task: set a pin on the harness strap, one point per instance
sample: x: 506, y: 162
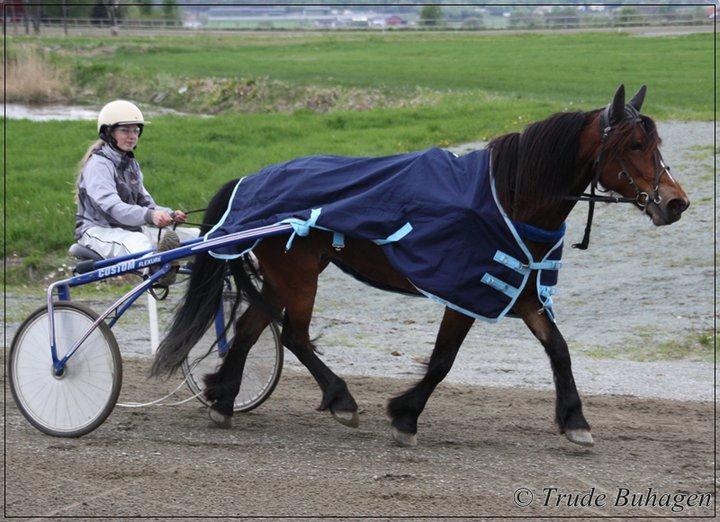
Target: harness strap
x: 583, y: 245
x: 602, y: 199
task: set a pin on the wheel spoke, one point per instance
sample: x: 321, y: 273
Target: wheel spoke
x: 56, y: 411
x: 44, y: 414
x: 90, y: 397
x: 39, y: 340
x: 28, y: 371
x: 37, y: 393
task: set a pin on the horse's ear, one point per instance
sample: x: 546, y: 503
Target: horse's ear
x: 617, y: 108
x: 638, y: 99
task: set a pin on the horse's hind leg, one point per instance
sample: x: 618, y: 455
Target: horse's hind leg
x: 293, y: 277
x: 405, y: 409
x: 222, y: 387
x: 568, y: 407
x: 335, y: 394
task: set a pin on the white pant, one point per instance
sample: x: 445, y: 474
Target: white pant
x: 115, y: 242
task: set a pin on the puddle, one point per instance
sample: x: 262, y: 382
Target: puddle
x: 18, y: 111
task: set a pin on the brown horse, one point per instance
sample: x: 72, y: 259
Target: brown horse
x: 540, y: 174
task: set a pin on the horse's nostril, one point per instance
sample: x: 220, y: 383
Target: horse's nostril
x: 678, y: 205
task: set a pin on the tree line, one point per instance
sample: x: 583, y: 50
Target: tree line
x: 102, y: 12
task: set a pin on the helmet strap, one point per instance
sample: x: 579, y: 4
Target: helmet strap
x: 105, y: 134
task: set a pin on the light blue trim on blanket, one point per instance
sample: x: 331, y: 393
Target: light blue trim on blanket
x: 544, y: 292
x: 455, y: 307
x: 519, y: 241
x: 221, y: 222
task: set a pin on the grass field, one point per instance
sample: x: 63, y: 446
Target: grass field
x: 479, y: 86
x: 581, y: 68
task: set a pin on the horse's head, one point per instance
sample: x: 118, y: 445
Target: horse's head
x: 629, y: 162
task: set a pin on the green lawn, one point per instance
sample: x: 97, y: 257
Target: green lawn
x: 486, y: 85
x: 581, y: 69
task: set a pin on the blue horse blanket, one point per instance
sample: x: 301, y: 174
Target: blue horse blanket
x: 435, y: 215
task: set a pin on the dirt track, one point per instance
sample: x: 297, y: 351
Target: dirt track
x: 477, y: 447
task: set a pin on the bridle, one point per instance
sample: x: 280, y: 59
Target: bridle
x: 642, y: 198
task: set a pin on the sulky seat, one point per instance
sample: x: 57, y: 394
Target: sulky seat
x: 83, y: 253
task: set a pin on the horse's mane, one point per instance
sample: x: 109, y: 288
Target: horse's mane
x: 538, y: 167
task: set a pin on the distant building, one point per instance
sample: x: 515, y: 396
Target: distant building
x: 236, y: 12
x: 318, y: 11
x: 329, y: 23
x: 394, y: 21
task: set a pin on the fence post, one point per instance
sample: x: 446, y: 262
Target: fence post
x: 64, y: 15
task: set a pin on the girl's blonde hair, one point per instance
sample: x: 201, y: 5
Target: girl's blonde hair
x: 92, y: 148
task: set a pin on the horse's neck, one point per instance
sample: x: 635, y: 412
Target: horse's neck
x: 552, y: 217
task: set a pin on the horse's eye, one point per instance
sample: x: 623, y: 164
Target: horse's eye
x: 636, y: 145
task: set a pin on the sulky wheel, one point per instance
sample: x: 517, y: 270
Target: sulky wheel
x: 262, y: 368
x: 79, y: 400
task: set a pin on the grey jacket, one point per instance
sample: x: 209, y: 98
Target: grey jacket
x: 111, y: 193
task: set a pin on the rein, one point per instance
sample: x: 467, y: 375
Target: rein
x: 196, y: 224
x: 175, y: 223
x: 641, y: 198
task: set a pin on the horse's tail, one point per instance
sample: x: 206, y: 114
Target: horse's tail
x: 201, y: 301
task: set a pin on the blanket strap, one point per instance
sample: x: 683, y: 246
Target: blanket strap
x: 395, y: 236
x: 501, y: 286
x: 523, y: 268
x: 545, y: 294
x: 300, y: 227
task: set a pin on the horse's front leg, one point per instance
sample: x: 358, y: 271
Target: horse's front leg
x: 405, y: 409
x: 568, y: 407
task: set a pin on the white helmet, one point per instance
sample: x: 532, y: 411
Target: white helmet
x: 119, y: 112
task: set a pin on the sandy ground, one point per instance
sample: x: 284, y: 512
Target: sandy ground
x: 487, y: 431
x: 478, y: 447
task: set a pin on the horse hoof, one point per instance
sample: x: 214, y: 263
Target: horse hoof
x: 404, y: 439
x: 220, y: 420
x: 581, y: 437
x: 351, y: 419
